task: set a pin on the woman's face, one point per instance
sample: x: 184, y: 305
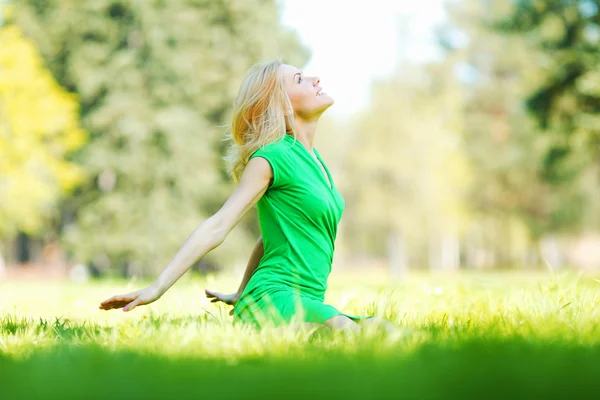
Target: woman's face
x: 304, y: 92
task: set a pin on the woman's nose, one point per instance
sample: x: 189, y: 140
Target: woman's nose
x: 317, y: 80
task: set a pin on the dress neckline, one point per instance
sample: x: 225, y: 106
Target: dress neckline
x: 314, y: 161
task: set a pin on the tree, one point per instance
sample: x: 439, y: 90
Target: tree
x: 447, y: 157
x: 156, y: 80
x: 567, y: 103
x: 513, y: 202
x: 39, y: 129
x: 408, y: 174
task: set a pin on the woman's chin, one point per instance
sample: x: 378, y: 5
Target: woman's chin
x: 327, y: 100
x: 323, y: 104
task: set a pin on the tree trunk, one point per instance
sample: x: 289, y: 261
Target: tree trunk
x: 397, y: 255
x: 450, y: 254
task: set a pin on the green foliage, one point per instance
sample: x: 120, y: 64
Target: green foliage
x: 567, y: 101
x: 513, y: 194
x: 39, y: 130
x: 447, y: 150
x: 407, y: 164
x: 156, y: 80
x: 502, y: 143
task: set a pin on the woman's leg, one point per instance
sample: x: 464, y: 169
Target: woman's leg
x: 343, y: 323
x: 379, y: 323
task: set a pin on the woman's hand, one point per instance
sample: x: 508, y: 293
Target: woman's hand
x: 132, y: 300
x: 230, y: 299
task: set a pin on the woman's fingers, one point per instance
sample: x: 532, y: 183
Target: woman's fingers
x: 111, y: 300
x: 132, y: 305
x: 228, y: 299
x: 108, y: 304
x: 122, y: 297
x: 131, y: 300
x: 216, y: 296
x: 210, y: 293
x: 111, y: 304
x: 117, y: 301
x: 116, y: 304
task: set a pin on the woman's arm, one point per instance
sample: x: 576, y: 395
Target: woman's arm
x: 255, y: 257
x: 207, y: 236
x: 232, y: 298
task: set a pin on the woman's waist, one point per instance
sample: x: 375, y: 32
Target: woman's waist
x: 298, y: 249
x: 265, y: 281
x: 306, y: 257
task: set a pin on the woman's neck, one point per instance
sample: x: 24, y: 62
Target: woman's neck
x: 305, y: 132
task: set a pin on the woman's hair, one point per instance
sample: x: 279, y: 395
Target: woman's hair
x: 262, y: 114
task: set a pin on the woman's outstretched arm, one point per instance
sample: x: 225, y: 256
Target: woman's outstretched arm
x: 207, y: 236
x: 255, y: 257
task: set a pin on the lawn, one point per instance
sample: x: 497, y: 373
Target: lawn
x: 474, y: 335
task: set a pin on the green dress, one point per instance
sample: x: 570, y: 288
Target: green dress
x: 299, y: 214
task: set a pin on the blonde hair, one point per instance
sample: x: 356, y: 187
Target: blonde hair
x: 262, y: 114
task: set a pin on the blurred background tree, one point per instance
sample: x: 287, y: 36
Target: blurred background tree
x: 483, y: 157
x: 156, y: 80
x: 449, y: 166
x: 566, y: 103
x: 39, y: 129
x: 513, y: 205
x: 406, y: 154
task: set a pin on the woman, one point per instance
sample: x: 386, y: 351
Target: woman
x: 273, y: 160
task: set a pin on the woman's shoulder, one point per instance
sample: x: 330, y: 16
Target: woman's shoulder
x: 279, y: 146
x: 281, y: 157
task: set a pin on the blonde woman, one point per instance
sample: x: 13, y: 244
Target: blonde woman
x: 273, y: 160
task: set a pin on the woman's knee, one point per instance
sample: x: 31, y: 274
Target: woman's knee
x: 341, y: 322
x: 379, y: 323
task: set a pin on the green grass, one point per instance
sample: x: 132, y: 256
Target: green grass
x: 477, y: 335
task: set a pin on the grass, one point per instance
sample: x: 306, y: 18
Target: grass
x: 476, y: 335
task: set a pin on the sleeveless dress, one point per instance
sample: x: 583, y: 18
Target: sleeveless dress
x: 299, y: 214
